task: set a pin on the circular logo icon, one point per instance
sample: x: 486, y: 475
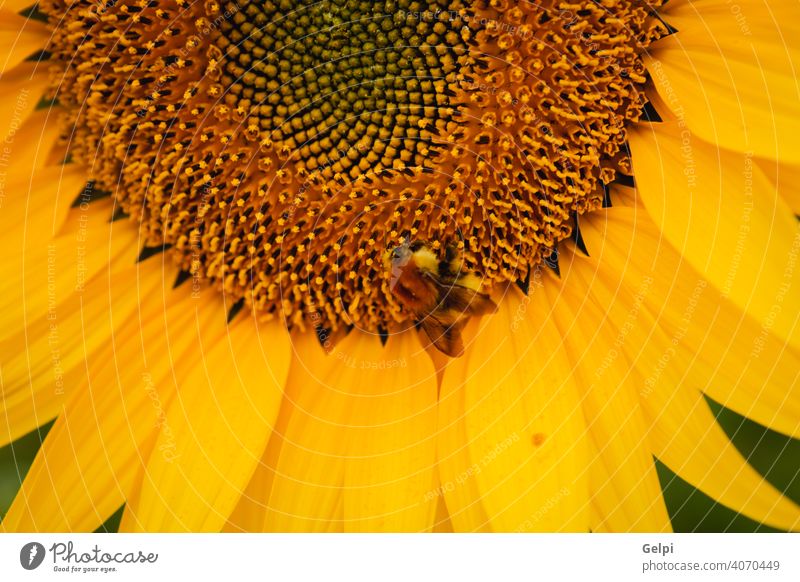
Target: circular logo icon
x: 31, y: 555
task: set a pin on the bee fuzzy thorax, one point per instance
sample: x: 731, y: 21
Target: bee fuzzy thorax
x: 437, y: 292
x: 426, y: 260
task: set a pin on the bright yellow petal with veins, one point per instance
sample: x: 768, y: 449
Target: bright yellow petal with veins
x: 49, y: 272
x: 30, y: 151
x: 524, y: 429
x: 355, y: 448
x: 96, y: 450
x: 37, y: 194
x: 36, y: 360
x: 442, y: 522
x: 731, y: 72
x: 19, y: 39
x: 462, y: 499
x: 625, y: 490
x: 20, y: 91
x: 689, y: 441
x: 305, y: 456
x: 727, y: 354
x: 33, y: 380
x: 660, y: 305
x: 389, y: 473
x: 786, y: 178
x: 250, y: 512
x: 687, y: 438
x: 220, y: 422
x: 36, y: 207
x: 724, y: 216
x: 41, y: 271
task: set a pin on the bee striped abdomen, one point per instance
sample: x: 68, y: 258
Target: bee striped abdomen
x: 416, y: 292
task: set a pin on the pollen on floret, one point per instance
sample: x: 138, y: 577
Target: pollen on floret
x: 261, y: 131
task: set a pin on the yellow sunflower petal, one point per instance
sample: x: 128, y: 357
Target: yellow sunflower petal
x: 723, y: 214
x: 356, y: 450
x: 625, y: 196
x: 220, y: 423
x: 524, y: 427
x: 36, y: 360
x: 689, y: 441
x: 307, y: 491
x: 49, y: 273
x: 41, y: 271
x: 17, y: 5
x: 730, y: 72
x: 462, y: 501
x: 41, y: 203
x: 305, y: 456
x: 19, y: 39
x: 21, y: 89
x: 626, y: 492
x: 35, y: 203
x: 729, y: 356
x: 786, y: 178
x: 658, y: 302
x: 389, y: 476
x: 37, y: 195
x: 442, y: 523
x: 96, y: 449
x: 33, y: 142
x: 250, y: 512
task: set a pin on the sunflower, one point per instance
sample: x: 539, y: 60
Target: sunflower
x: 198, y: 200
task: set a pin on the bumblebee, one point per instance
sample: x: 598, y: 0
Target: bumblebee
x: 440, y: 293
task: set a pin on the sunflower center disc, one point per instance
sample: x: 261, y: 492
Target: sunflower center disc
x: 346, y: 86
x: 280, y: 148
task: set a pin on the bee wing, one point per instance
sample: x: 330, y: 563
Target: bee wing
x: 445, y: 336
x: 464, y: 300
x: 468, y: 301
